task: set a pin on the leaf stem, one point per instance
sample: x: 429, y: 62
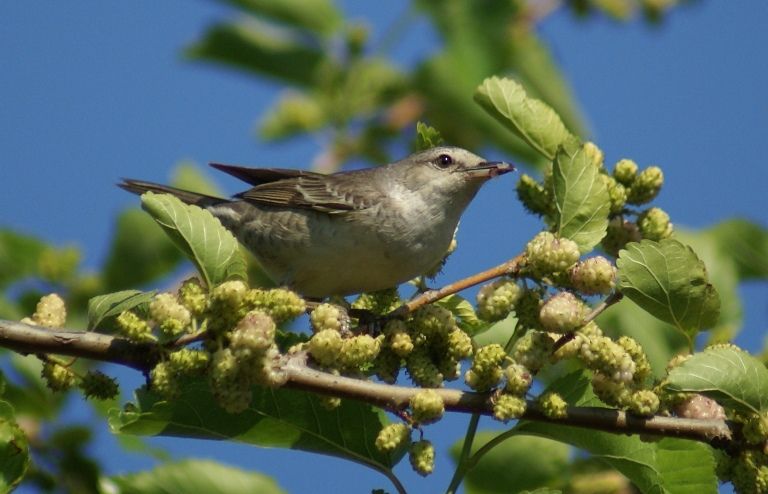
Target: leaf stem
x: 462, y: 465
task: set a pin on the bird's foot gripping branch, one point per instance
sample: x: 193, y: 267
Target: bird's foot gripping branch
x: 562, y: 342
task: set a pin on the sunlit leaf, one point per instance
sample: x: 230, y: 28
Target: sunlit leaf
x: 427, y: 137
x: 668, y: 280
x: 728, y: 375
x: 211, y: 247
x: 580, y: 196
x: 110, y: 305
x: 14, y: 449
x: 318, y: 16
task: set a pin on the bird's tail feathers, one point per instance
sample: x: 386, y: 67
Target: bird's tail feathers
x: 139, y: 187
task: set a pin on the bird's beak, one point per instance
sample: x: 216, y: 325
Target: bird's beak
x: 490, y: 169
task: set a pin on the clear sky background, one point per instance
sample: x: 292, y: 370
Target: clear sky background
x: 94, y: 91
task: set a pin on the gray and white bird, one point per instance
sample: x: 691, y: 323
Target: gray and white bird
x: 348, y: 232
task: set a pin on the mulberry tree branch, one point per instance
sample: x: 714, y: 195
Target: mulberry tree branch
x: 28, y: 339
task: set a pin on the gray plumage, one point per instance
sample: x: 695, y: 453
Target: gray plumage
x: 348, y: 232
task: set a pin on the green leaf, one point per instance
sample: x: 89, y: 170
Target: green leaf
x: 188, y: 176
x: 318, y: 16
x: 14, y: 449
x: 280, y: 418
x: 140, y: 252
x: 667, y: 466
x: 211, y: 247
x: 510, y: 466
x: 500, y: 332
x: 110, y: 305
x: 462, y: 309
x: 668, y: 280
x: 194, y: 476
x: 529, y: 118
x: 260, y: 49
x: 427, y: 137
x: 730, y: 376
x: 19, y: 256
x: 580, y: 196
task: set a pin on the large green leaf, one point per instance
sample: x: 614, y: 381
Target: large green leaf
x: 668, y: 280
x: 271, y: 52
x: 195, y: 476
x: 510, y: 466
x: 19, y: 256
x: 529, y: 118
x: 14, y: 449
x: 667, y: 466
x: 318, y: 16
x: 728, y: 375
x: 210, y: 246
x: 746, y: 243
x: 110, y: 305
x: 140, y: 252
x: 580, y: 196
x: 276, y: 418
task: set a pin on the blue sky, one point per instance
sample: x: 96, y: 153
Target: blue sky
x: 93, y: 91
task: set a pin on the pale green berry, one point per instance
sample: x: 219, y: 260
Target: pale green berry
x: 617, y: 194
x: 643, y: 402
x: 280, y: 304
x: 163, y: 381
x: 755, y: 429
x: 400, y: 343
x: 433, y: 321
x: 642, y: 365
x: 646, y: 186
x: 553, y: 405
x: 326, y: 316
x: 422, y: 457
x: 535, y: 198
x: 192, y: 295
x: 427, y: 406
x: 603, y: 355
x: 448, y: 367
x: 379, y: 302
x: 392, y: 437
x: 325, y: 347
x: 358, y: 351
x: 527, y: 309
x: 508, y: 407
x: 50, y: 312
x: 134, y: 328
x: 609, y: 391
x: 594, y: 153
x: 497, y: 299
x: 229, y: 294
x: 548, y: 254
x: 459, y: 345
x: 593, y: 276
x: 57, y: 377
x: 562, y: 313
x: 422, y: 369
x: 387, y: 365
x: 625, y: 172
x: 533, y: 350
x: 169, y: 314
x: 486, y: 371
x: 189, y: 361
x: 519, y: 379
x: 654, y: 224
x: 253, y: 336
x: 96, y: 384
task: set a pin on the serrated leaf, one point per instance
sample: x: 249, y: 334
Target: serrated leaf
x: 427, y: 137
x: 732, y: 377
x: 529, y: 118
x: 110, y: 305
x: 281, y: 418
x: 268, y: 51
x: 319, y: 16
x: 140, y: 252
x: 668, y: 280
x: 194, y: 476
x: 510, y: 466
x: 580, y: 196
x: 654, y: 467
x: 211, y: 247
x: 14, y: 449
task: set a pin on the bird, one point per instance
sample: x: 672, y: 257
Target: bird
x: 352, y: 231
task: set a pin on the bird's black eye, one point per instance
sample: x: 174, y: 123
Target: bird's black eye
x: 444, y: 161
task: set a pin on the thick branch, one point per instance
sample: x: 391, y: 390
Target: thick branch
x: 27, y: 339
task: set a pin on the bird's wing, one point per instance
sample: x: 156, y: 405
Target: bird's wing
x: 332, y: 194
x: 258, y: 176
